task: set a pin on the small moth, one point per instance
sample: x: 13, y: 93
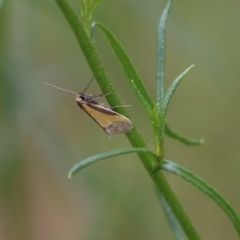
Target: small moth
x: 111, y: 122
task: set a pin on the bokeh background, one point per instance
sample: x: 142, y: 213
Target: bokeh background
x: 43, y: 133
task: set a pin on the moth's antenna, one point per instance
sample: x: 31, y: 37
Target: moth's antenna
x: 60, y: 88
x: 88, y: 85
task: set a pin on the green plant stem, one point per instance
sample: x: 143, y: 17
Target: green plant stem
x: 150, y: 163
x: 172, y: 220
x: 164, y: 188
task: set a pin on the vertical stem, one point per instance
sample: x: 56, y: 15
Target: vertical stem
x: 175, y: 205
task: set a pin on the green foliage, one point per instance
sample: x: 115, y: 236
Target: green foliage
x: 156, y: 110
x: 106, y: 155
x: 172, y: 89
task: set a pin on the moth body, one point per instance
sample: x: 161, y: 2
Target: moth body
x: 111, y: 122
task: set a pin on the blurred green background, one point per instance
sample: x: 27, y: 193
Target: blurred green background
x: 44, y: 133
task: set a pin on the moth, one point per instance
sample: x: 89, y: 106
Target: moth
x: 110, y: 121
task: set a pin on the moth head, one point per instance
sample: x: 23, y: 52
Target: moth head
x: 78, y: 97
x: 86, y: 98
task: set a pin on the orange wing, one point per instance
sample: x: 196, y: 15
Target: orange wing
x: 111, y: 122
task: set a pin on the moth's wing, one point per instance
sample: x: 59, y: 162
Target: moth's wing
x: 111, y: 122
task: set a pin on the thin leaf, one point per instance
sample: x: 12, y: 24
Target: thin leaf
x: 172, y: 89
x: 161, y: 55
x: 172, y: 220
x: 125, y: 61
x: 142, y: 100
x: 84, y: 163
x: 187, y: 141
x: 205, y: 188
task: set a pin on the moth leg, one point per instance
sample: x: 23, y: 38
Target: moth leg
x: 121, y: 106
x: 99, y: 95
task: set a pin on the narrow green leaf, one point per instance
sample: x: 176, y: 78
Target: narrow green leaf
x: 205, y: 188
x: 172, y: 89
x: 125, y: 61
x: 172, y: 220
x: 161, y: 55
x: 142, y: 100
x: 187, y: 141
x: 93, y: 159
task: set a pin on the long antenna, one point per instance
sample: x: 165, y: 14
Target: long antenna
x: 88, y: 85
x: 60, y: 88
